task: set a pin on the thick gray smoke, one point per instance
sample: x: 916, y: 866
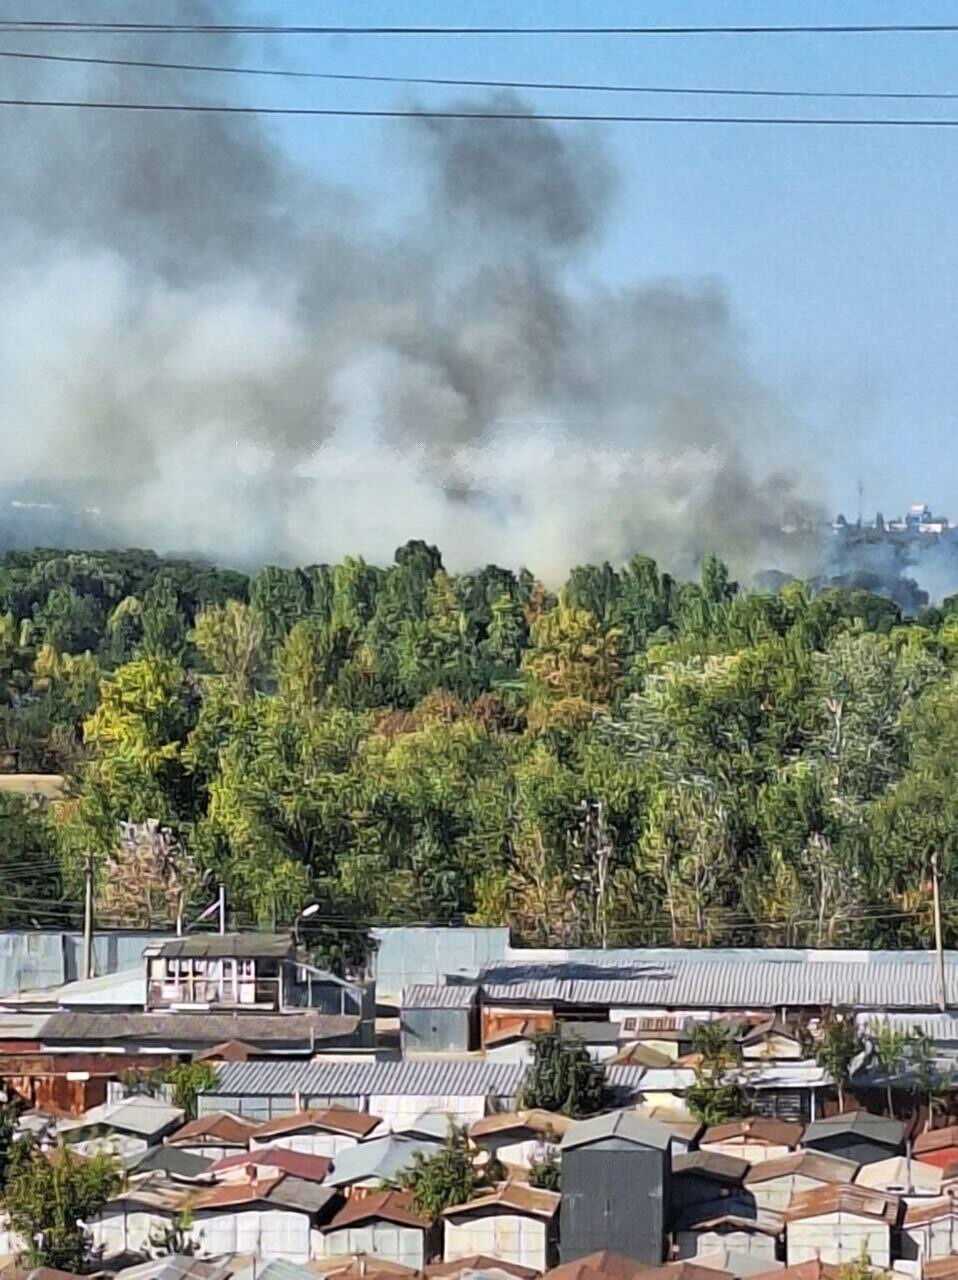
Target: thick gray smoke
x: 210, y: 350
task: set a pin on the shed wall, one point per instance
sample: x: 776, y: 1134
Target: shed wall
x: 510, y: 1237
x: 388, y: 1240
x: 838, y: 1238
x: 614, y: 1196
x: 754, y: 1243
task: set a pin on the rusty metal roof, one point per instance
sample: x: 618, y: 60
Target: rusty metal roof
x: 386, y: 1206
x: 810, y: 1164
x: 859, y: 1201
x: 517, y: 1197
x: 756, y: 1129
x: 326, y: 1119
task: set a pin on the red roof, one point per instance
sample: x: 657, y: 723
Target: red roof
x: 478, y: 1262
x: 387, y: 1206
x: 218, y: 1127
x: 356, y: 1124
x: 301, y: 1165
x: 605, y: 1264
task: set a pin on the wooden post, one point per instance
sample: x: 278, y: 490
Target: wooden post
x: 88, y: 918
x: 939, y: 945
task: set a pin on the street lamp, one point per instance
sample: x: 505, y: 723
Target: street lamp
x: 303, y: 915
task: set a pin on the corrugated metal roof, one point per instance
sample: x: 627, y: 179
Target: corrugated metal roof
x: 942, y: 1027
x: 299, y: 1029
x: 381, y: 1158
x: 227, y: 945
x: 705, y: 982
x: 454, y: 996
x: 437, y: 1077
x: 879, y: 1128
x: 628, y: 1125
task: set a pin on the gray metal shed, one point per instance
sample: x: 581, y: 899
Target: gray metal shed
x: 615, y: 1187
x: 856, y: 1136
x: 439, y: 1019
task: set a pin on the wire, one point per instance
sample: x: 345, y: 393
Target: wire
x: 547, y: 117
x: 263, y: 29
x: 480, y: 84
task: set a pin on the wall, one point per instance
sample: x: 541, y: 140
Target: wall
x: 931, y: 1239
x: 398, y: 1110
x: 405, y: 1245
x: 121, y: 1229
x: 858, y: 1150
x: 266, y: 1232
x: 510, y: 1237
x: 614, y: 1196
x: 777, y: 1192
x: 753, y: 1152
x: 837, y: 1238
x: 409, y: 957
x: 755, y: 1243
x: 35, y: 958
x: 436, y: 1030
x: 311, y: 1144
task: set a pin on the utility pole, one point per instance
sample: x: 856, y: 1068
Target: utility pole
x: 939, y: 945
x: 88, y: 918
x: 222, y: 908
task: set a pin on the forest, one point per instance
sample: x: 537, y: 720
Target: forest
x: 626, y: 760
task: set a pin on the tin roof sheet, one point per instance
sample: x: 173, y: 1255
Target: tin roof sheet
x: 453, y: 996
x: 427, y: 1077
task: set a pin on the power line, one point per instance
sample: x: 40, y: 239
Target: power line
x: 265, y: 29
x: 547, y: 117
x: 449, y: 82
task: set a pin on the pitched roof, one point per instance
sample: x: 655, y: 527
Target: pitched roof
x: 177, y: 1267
x: 755, y: 1129
x: 328, y: 1119
x: 140, y: 1115
x: 860, y: 1123
x: 217, y: 1126
x: 213, y: 946
x: 940, y: 1268
x: 283, y: 1190
x: 713, y: 1214
x: 898, y: 1173
x: 627, y: 1125
x: 512, y: 1029
x: 536, y: 1120
x: 299, y: 1163
x: 712, y: 1164
x: 812, y: 1270
x: 929, y: 1211
x: 810, y: 1164
x: 478, y: 1262
x: 769, y: 1027
x: 359, y: 1266
x: 590, y: 1032
x: 608, y: 1265
x: 861, y: 1201
x: 171, y: 1161
x: 228, y: 1051
x: 515, y: 1196
x: 386, y: 1206
x: 638, y: 1054
x: 676, y: 1121
x: 380, y: 1158
x: 936, y: 1139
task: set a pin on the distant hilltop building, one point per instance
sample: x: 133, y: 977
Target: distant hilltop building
x: 919, y: 520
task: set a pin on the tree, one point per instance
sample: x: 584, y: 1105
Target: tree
x: 446, y: 1178
x: 715, y: 1096
x: 840, y: 1043
x: 230, y: 638
x: 547, y: 1172
x: 51, y: 1196
x: 890, y: 1047
x: 187, y: 1081
x: 562, y: 1077
x: 930, y: 1081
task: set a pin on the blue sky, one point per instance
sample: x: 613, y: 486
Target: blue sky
x: 836, y: 247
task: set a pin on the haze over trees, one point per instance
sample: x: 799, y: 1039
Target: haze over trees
x: 629, y: 759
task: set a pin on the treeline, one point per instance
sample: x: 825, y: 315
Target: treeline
x: 631, y: 760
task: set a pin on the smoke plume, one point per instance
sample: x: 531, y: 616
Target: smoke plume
x: 209, y: 349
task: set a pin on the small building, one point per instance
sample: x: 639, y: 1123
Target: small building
x: 379, y: 1160
x: 701, y: 1230
x: 520, y: 1138
x: 667, y: 1034
x: 615, y: 1186
x: 361, y: 1266
x: 753, y: 1138
x: 515, y: 1222
x: 708, y: 1177
x: 384, y: 1224
x: 125, y: 1128
x: 898, y: 1175
x: 793, y: 1091
x: 270, y: 1217
x: 839, y: 1224
x: 215, y: 1136
x: 320, y: 1132
x: 929, y: 1230
x: 937, y: 1146
x: 773, y: 1183
x: 856, y: 1136
x: 134, y: 1221
x: 439, y: 1019
x: 772, y: 1040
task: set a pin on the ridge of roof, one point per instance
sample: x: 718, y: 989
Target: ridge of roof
x: 512, y: 1195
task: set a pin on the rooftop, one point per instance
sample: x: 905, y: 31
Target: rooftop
x: 713, y: 1164
x: 218, y: 1126
x: 810, y: 1164
x: 384, y: 1206
x: 627, y: 1125
x: 299, y: 1163
x: 858, y: 1201
x: 143, y: 1116
x: 379, y: 1158
x: 516, y: 1197
x: 299, y: 1029
x: 213, y: 946
x: 477, y: 1262
x: 779, y: 1133
x: 326, y: 1119
x: 860, y: 1123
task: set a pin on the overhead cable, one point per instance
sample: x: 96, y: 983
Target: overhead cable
x: 450, y: 82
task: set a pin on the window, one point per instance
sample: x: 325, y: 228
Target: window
x: 629, y: 1024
